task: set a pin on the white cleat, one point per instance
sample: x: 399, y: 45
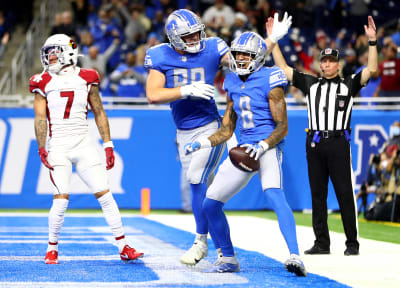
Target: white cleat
x: 295, y: 265
x: 224, y: 265
x: 194, y: 255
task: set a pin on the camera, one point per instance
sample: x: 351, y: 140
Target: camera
x: 376, y: 159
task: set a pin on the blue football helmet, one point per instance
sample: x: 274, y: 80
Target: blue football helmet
x: 181, y: 23
x: 252, y: 44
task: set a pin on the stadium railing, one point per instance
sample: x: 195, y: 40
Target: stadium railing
x: 22, y: 62
x: 364, y: 103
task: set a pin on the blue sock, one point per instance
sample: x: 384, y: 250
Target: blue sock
x: 286, y: 221
x: 198, y: 195
x: 217, y: 220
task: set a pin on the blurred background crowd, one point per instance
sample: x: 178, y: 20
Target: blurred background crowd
x: 113, y: 35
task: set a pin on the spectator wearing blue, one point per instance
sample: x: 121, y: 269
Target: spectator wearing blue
x: 104, y: 32
x: 135, y: 31
x: 131, y: 78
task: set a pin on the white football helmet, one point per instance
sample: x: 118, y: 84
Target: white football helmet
x: 250, y: 43
x: 181, y: 23
x: 61, y: 46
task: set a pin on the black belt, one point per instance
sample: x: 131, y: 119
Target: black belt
x: 327, y: 134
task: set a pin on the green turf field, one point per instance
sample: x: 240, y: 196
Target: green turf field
x: 382, y: 231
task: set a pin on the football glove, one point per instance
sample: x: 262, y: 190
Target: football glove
x: 256, y: 150
x: 110, y: 158
x: 280, y: 29
x: 43, y: 157
x: 198, y: 90
x: 194, y: 146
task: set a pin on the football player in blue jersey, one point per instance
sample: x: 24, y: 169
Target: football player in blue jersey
x: 182, y: 73
x: 256, y: 101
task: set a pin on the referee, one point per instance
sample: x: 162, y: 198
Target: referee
x: 329, y: 104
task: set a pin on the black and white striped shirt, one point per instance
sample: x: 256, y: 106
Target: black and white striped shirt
x: 329, y: 101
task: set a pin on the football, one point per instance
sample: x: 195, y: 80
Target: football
x: 242, y: 160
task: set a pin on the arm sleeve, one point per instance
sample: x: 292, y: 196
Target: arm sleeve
x: 354, y: 82
x: 303, y: 81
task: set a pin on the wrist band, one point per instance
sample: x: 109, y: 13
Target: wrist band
x: 372, y: 43
x: 108, y: 144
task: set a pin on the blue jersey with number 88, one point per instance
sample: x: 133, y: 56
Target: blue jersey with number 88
x: 180, y: 70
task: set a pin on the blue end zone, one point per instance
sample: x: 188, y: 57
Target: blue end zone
x: 23, y: 243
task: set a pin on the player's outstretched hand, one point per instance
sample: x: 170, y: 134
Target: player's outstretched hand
x: 198, y: 90
x: 43, y: 157
x: 199, y: 144
x: 281, y: 28
x: 256, y: 150
x: 370, y: 30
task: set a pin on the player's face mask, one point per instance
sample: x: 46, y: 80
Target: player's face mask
x: 63, y: 48
x: 248, y: 43
x: 179, y: 25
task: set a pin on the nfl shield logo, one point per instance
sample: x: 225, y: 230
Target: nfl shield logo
x: 341, y: 103
x: 184, y: 59
x: 328, y: 51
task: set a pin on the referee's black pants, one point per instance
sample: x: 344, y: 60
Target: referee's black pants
x: 331, y: 157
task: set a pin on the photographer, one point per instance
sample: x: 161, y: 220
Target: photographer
x: 373, y: 182
x: 382, y: 208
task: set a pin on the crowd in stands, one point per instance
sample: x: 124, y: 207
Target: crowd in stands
x: 11, y: 13
x: 383, y: 180
x: 107, y: 31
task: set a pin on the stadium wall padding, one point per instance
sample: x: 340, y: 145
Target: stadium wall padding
x: 146, y: 157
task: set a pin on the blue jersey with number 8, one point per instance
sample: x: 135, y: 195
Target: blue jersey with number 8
x: 251, y: 104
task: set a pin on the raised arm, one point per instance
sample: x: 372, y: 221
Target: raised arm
x: 276, y: 52
x: 372, y: 65
x: 276, y: 30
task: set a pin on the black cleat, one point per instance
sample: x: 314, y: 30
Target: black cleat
x: 351, y: 251
x: 317, y: 250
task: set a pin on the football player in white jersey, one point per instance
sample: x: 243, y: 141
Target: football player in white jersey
x: 255, y: 101
x: 62, y: 94
x: 182, y: 73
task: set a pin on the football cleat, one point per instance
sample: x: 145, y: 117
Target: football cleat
x: 219, y: 256
x: 225, y: 265
x: 295, y: 265
x: 194, y: 255
x: 51, y: 257
x: 128, y: 254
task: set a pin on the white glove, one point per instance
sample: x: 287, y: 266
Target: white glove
x: 280, y: 29
x: 199, y: 144
x: 256, y: 150
x: 198, y: 90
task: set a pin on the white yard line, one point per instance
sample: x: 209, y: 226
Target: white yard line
x: 376, y: 266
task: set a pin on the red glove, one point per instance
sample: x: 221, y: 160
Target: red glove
x: 43, y: 156
x: 109, y: 157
